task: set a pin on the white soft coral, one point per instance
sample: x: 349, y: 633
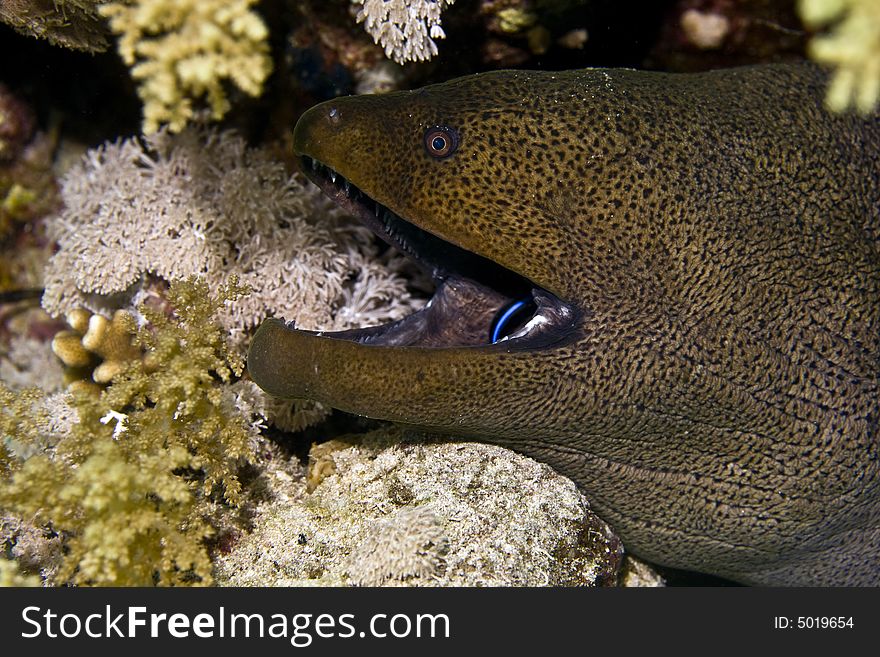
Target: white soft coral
x: 141, y: 212
x: 406, y: 29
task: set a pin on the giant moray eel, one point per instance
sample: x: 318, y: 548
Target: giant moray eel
x: 699, y: 257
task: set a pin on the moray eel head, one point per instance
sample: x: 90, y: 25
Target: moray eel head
x: 438, y: 159
x: 665, y: 286
x: 430, y: 174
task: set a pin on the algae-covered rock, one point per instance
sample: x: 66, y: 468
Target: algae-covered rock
x: 72, y: 24
x: 393, y: 511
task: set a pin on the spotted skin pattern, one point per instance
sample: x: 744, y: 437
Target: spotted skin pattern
x: 719, y: 237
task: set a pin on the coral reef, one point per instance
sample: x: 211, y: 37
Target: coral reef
x: 181, y: 51
x: 202, y: 203
x: 174, y: 391
x: 69, y: 23
x: 406, y: 29
x: 124, y: 484
x: 94, y: 338
x: 851, y: 44
x: 27, y: 185
x: 129, y: 522
x: 138, y: 214
x: 390, y: 510
x: 131, y: 476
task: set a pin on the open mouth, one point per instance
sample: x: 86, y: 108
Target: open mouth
x: 477, y: 302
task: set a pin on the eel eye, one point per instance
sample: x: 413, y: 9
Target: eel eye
x: 441, y: 141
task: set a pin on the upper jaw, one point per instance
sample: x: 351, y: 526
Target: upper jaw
x: 473, y: 292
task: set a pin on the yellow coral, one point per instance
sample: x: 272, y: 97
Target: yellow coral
x: 93, y: 338
x: 852, y: 46
x: 133, y: 522
x: 12, y: 575
x: 17, y: 198
x: 516, y: 19
x: 111, y: 340
x: 172, y: 398
x: 181, y: 50
x: 121, y: 484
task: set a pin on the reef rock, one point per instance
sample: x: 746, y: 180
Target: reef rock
x: 391, y: 510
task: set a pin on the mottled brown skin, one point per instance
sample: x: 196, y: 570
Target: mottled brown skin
x: 719, y: 233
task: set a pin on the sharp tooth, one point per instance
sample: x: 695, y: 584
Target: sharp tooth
x: 376, y: 210
x: 346, y: 185
x: 332, y: 175
x: 533, y: 323
x: 314, y: 165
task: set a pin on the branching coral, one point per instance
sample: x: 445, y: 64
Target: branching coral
x: 184, y: 50
x: 123, y: 483
x: 129, y: 522
x: 851, y: 46
x: 406, y: 29
x: 174, y: 393
x: 20, y: 420
x: 93, y: 337
x: 34, y: 549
